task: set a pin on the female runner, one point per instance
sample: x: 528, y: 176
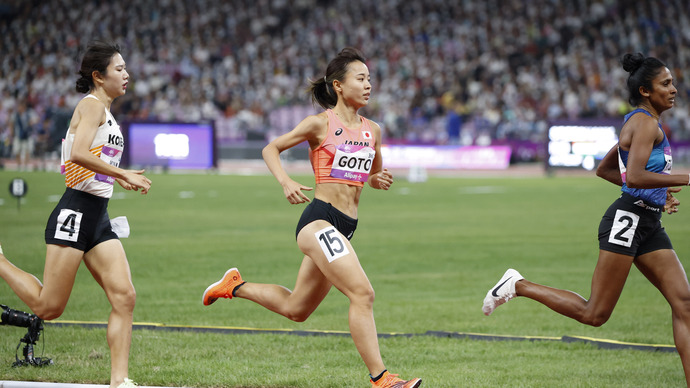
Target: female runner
x: 345, y: 152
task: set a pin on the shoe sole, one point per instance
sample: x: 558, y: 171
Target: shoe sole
x: 203, y: 297
x: 417, y: 383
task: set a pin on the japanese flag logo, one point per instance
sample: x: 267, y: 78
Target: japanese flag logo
x: 367, y: 135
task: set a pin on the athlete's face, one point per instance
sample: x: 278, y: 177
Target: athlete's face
x: 116, y: 77
x: 356, y: 87
x: 663, y: 93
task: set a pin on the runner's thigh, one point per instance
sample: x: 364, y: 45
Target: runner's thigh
x: 334, y: 256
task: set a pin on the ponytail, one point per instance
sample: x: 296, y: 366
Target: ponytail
x: 321, y: 89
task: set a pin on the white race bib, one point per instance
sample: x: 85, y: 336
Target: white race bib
x: 623, y: 229
x: 332, y: 243
x: 68, y: 225
x: 352, y: 162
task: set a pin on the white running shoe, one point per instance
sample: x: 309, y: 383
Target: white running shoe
x: 128, y: 384
x: 502, y: 292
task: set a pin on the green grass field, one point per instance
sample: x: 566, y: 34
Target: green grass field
x: 431, y: 251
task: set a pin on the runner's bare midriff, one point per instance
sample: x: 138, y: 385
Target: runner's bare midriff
x: 343, y: 197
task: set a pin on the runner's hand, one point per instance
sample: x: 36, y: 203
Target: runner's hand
x: 135, y: 181
x: 382, y: 180
x: 672, y: 202
x: 293, y: 192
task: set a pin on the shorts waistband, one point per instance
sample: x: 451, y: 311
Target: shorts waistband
x: 83, y: 194
x: 641, y: 203
x: 332, y: 209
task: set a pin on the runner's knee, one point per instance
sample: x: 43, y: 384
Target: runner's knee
x: 49, y: 310
x: 680, y: 307
x: 595, y: 318
x: 123, y: 299
x: 299, y: 315
x: 363, y: 296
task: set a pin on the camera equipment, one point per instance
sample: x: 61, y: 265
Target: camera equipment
x: 35, y: 326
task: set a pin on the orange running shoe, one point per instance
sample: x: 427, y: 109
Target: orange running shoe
x: 389, y: 380
x: 224, y: 287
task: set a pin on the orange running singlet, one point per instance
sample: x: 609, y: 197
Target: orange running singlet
x: 345, y: 155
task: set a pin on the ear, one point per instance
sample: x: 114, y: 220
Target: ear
x: 644, y: 92
x: 97, y: 77
x: 337, y: 85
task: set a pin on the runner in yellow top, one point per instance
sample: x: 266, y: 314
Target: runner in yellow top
x: 345, y: 151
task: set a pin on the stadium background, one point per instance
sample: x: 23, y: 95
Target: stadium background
x: 465, y: 72
x: 480, y: 72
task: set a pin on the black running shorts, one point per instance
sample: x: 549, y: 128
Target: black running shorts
x: 80, y: 220
x: 632, y: 227
x: 320, y: 210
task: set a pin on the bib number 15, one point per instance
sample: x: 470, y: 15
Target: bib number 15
x: 332, y: 243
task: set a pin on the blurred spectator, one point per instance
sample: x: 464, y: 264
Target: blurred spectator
x: 41, y: 143
x: 57, y: 118
x: 5, y: 136
x: 22, y: 132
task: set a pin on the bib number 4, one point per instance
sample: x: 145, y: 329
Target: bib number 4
x: 332, y: 243
x: 68, y: 225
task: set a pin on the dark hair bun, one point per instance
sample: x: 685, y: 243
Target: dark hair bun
x: 632, y: 62
x: 83, y: 85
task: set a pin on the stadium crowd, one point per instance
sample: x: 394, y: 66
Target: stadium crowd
x: 467, y: 72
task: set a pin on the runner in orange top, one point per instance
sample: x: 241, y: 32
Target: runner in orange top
x: 346, y: 155
x: 345, y: 151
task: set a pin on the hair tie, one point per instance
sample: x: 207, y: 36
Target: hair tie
x: 324, y: 79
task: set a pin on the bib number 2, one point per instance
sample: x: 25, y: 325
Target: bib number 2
x: 68, y: 225
x: 623, y: 229
x: 332, y: 243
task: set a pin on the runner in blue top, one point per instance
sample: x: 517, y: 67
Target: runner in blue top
x: 660, y: 161
x: 630, y: 231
